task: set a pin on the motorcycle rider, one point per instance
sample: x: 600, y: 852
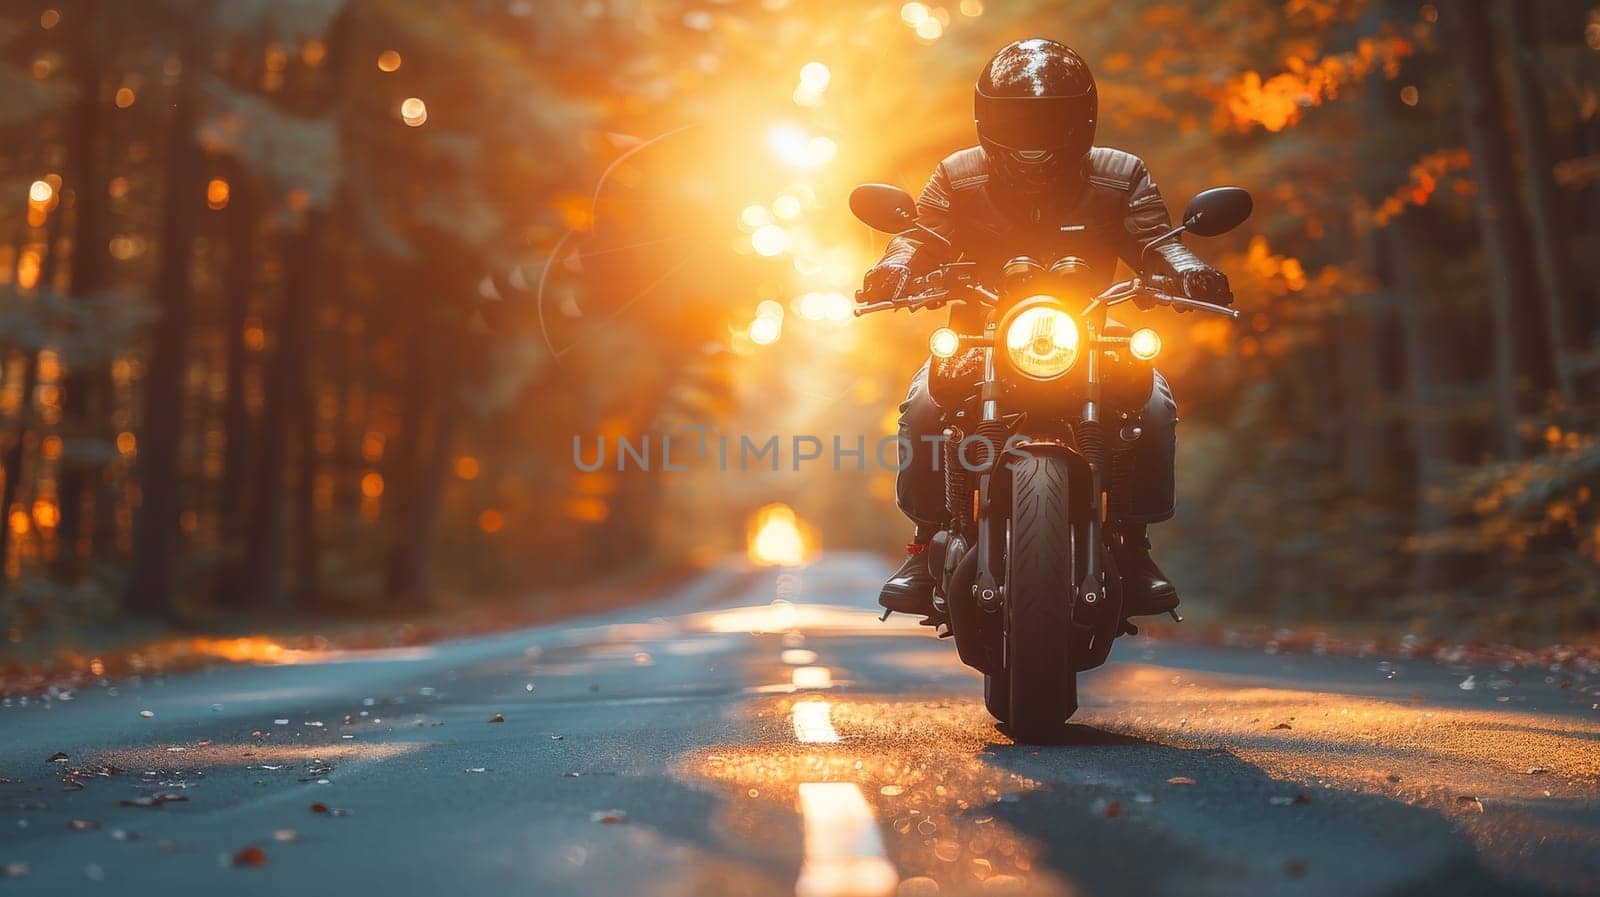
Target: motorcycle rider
x: 1035, y: 170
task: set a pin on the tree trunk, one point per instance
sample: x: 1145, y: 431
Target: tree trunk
x: 265, y: 585
x: 1538, y: 171
x: 1429, y: 440
x: 16, y: 454
x: 152, y: 578
x: 422, y: 461
x: 85, y: 385
x: 411, y: 561
x: 1517, y: 343
x: 238, y: 286
x: 1356, y: 338
x: 304, y: 397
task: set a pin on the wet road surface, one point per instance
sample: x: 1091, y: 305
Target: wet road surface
x: 759, y: 732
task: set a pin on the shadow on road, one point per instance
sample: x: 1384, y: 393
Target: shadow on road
x: 1121, y: 814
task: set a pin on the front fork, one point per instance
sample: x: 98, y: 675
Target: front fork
x: 989, y: 587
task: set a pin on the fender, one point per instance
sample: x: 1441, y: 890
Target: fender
x: 1080, y: 475
x: 996, y: 505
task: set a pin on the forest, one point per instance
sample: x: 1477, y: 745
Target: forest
x: 303, y: 302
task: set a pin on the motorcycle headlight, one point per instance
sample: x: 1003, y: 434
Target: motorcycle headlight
x: 1042, y: 342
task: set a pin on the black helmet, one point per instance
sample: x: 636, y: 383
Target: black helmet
x: 1035, y: 106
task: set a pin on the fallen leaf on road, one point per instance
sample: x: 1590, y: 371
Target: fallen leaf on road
x: 1180, y: 780
x: 1469, y: 683
x: 1538, y: 770
x: 147, y: 713
x: 156, y: 800
x: 497, y: 718
x: 1113, y: 809
x: 1284, y: 800
x: 250, y: 856
x: 122, y: 834
x: 608, y: 817
x: 1283, y: 726
x: 14, y: 870
x: 557, y: 737
x: 1295, y: 869
x: 83, y: 825
x: 285, y: 834
x: 316, y: 769
x: 476, y: 769
x: 1469, y: 803
x: 326, y: 810
x: 58, y: 757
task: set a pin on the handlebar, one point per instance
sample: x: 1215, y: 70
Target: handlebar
x: 925, y: 299
x: 1116, y: 294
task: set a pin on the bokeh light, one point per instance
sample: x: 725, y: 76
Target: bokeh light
x: 769, y: 240
x: 765, y: 331
x: 414, y: 112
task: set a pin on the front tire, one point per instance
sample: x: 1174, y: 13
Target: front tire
x: 1038, y: 604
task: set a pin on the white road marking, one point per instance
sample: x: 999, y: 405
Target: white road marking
x: 844, y: 853
x: 798, y: 656
x: 812, y: 677
x: 813, y: 722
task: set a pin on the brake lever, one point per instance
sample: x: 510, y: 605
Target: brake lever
x: 1195, y: 304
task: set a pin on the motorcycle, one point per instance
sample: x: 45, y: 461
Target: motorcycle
x: 1041, y: 408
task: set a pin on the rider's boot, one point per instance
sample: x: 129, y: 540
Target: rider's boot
x: 910, y: 589
x: 1148, y: 589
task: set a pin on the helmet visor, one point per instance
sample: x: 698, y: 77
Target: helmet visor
x: 1036, y: 123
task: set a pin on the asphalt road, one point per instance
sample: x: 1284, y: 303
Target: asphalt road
x: 759, y: 732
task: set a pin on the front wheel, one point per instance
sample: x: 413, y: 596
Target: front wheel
x: 1038, y: 604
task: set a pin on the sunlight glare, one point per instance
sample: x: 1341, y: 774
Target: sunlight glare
x: 776, y: 539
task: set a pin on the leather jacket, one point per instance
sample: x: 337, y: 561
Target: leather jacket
x: 1116, y: 202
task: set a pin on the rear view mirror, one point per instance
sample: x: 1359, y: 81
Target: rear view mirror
x: 1213, y: 212
x: 884, y: 207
